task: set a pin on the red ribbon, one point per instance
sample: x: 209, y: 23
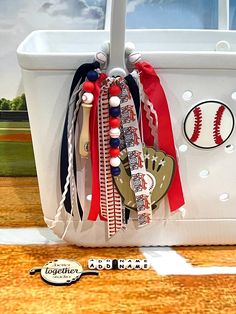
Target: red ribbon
x: 93, y: 130
x: 153, y: 89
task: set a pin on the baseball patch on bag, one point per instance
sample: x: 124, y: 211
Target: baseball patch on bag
x: 209, y: 124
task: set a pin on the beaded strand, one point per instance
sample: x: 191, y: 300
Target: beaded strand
x: 114, y: 122
x: 120, y: 264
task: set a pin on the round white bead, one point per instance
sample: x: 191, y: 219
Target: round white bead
x: 134, y: 57
x: 92, y: 263
x: 114, y: 101
x: 114, y: 132
x: 87, y: 98
x: 115, y: 161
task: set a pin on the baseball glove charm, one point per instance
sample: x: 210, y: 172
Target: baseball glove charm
x: 160, y: 170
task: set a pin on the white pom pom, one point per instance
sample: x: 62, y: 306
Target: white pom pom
x: 101, y: 57
x: 114, y: 132
x: 134, y: 57
x: 114, y: 101
x: 129, y: 48
x: 115, y: 161
x: 87, y: 98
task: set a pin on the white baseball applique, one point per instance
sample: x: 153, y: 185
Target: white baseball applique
x: 209, y: 124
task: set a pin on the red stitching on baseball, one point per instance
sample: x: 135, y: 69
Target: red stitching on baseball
x: 197, y: 124
x: 217, y: 123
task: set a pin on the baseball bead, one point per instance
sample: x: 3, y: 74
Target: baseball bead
x: 134, y: 57
x: 114, y: 133
x: 114, y: 101
x: 88, y: 86
x: 209, y: 124
x: 115, y: 161
x: 87, y: 98
x: 101, y: 57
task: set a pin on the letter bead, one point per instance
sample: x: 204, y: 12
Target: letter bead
x: 121, y: 264
x: 101, y: 264
x: 145, y: 264
x: 129, y: 264
x: 137, y: 264
x: 92, y: 264
x: 108, y: 263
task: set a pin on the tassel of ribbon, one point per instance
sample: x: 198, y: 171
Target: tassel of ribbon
x: 110, y: 200
x: 135, y: 155
x: 93, y: 131
x: 154, y: 91
x: 78, y: 79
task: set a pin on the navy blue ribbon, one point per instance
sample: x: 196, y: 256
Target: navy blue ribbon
x: 80, y: 76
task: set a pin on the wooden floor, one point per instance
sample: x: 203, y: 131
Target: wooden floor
x: 113, y: 291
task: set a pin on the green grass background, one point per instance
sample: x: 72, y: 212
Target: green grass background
x: 16, y: 158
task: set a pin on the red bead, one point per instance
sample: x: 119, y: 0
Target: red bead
x: 114, y: 152
x: 88, y: 86
x: 114, y: 90
x: 114, y: 122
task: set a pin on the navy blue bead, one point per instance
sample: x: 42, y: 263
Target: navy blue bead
x: 114, y: 142
x: 114, y: 111
x: 115, y: 171
x: 92, y: 76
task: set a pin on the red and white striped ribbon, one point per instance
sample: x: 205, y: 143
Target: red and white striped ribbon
x: 110, y: 200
